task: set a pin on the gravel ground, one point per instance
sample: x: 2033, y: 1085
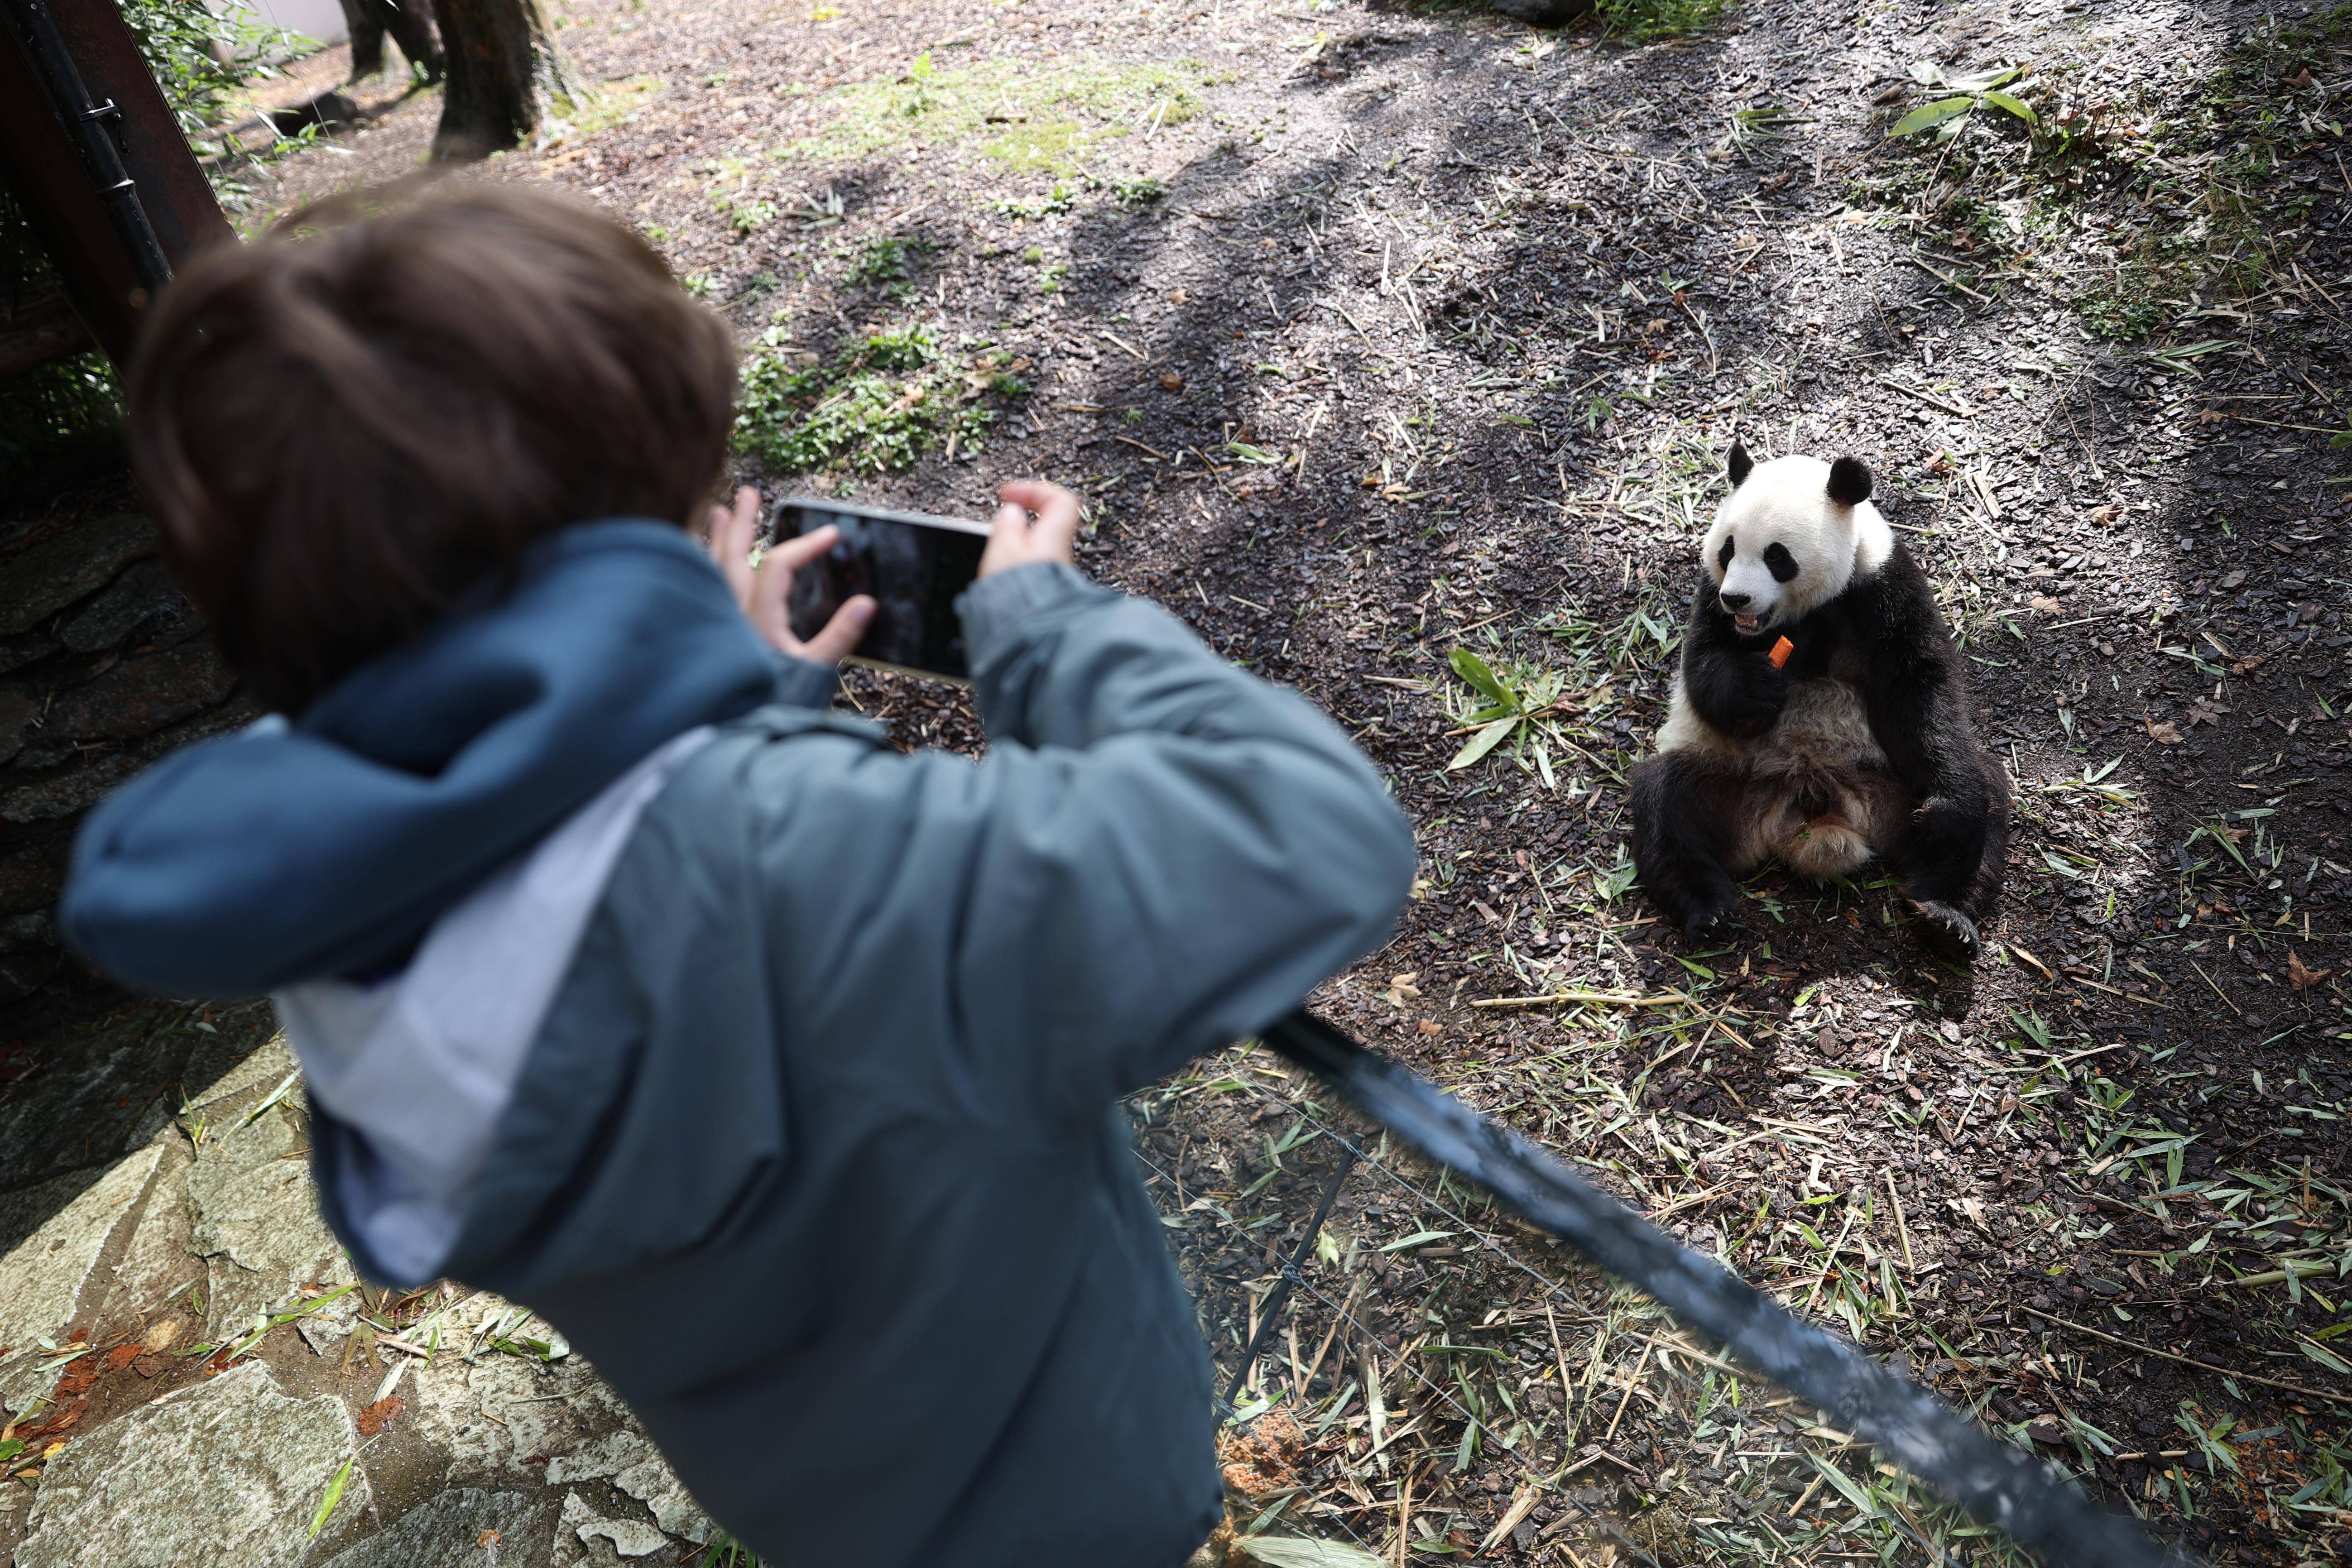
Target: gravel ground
x: 1374, y: 332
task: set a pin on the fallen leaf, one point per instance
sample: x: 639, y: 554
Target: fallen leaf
x: 2046, y: 1428
x: 2301, y: 976
x: 123, y: 1355
x: 375, y: 1419
x: 2211, y: 417
x: 2300, y: 78
x: 2103, y: 515
x: 162, y: 1336
x: 2165, y: 734
x: 2046, y: 605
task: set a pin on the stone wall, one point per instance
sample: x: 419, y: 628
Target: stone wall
x: 103, y: 667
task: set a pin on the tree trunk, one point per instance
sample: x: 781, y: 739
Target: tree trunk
x: 503, y: 65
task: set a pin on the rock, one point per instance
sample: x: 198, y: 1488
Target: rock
x: 64, y: 1226
x: 626, y: 1537
x: 101, y: 1095
x: 141, y: 695
x: 262, y: 1068
x: 155, y: 1262
x: 141, y: 600
x: 254, y: 1217
x: 226, y: 1473
x: 16, y: 709
x: 36, y: 584
x: 31, y: 877
x: 69, y: 794
x: 628, y: 1460
x: 447, y: 1532
x: 494, y: 1416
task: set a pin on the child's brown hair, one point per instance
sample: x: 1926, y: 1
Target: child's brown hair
x: 347, y: 423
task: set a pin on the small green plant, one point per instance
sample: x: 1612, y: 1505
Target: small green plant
x: 1645, y: 21
x: 1512, y: 704
x: 1945, y: 115
x: 745, y: 213
x: 1137, y: 192
x: 889, y: 264
x: 1060, y: 199
x: 875, y: 406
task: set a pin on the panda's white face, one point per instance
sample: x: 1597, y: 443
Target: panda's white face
x: 1790, y: 538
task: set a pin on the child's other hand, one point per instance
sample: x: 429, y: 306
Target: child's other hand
x: 1018, y: 542
x: 765, y: 592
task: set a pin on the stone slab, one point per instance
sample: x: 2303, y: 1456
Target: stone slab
x: 225, y: 1474
x: 43, y: 1276
x: 464, y: 1527
x: 36, y: 584
x: 254, y: 1216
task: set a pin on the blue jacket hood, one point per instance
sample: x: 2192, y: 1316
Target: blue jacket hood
x: 328, y: 846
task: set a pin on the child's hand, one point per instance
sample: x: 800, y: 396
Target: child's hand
x: 1018, y: 542
x: 764, y: 591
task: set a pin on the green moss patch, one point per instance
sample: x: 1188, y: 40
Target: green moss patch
x: 875, y: 405
x: 1032, y: 118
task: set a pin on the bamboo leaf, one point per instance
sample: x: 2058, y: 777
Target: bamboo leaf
x: 334, y: 1495
x: 1929, y: 115
x: 2003, y: 100
x: 1474, y: 670
x: 1484, y: 741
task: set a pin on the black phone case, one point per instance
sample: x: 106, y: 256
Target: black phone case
x: 914, y: 567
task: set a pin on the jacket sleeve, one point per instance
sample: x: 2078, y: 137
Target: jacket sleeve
x: 1189, y: 850
x: 1160, y: 855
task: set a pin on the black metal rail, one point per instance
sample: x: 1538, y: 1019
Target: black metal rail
x: 94, y: 127
x: 1998, y: 1485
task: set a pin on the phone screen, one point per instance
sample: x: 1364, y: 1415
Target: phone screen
x: 914, y: 567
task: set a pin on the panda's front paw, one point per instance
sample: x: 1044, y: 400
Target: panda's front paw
x: 1756, y: 697
x: 1946, y: 930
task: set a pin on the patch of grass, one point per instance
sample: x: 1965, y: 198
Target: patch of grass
x: 1031, y: 119
x: 875, y: 406
x: 1645, y: 21
x: 2133, y: 207
x: 600, y: 106
x: 53, y: 407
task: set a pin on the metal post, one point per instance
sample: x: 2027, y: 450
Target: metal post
x: 86, y: 123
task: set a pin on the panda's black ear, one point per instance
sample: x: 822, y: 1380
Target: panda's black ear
x: 1739, y: 464
x: 1849, y: 482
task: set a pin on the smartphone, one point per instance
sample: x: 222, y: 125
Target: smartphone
x: 913, y: 565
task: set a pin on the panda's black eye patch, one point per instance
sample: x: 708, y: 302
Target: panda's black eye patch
x: 1784, y: 564
x: 1723, y: 556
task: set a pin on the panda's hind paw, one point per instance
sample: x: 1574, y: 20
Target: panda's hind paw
x: 1948, y: 933
x: 1708, y: 926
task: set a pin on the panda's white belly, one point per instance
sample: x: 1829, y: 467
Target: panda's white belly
x: 1819, y: 786
x: 1824, y: 727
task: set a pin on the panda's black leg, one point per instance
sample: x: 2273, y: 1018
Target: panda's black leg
x: 1992, y: 862
x: 1938, y: 852
x: 1686, y: 815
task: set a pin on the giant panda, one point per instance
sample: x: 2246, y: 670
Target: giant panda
x: 1860, y: 743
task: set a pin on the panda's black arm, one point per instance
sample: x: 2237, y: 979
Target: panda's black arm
x: 1733, y: 686
x: 1915, y: 689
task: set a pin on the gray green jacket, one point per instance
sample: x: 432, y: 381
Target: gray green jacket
x: 809, y: 1140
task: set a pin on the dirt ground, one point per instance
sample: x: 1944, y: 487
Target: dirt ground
x: 1373, y: 333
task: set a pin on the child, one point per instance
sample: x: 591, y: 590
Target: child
x: 777, y: 1069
